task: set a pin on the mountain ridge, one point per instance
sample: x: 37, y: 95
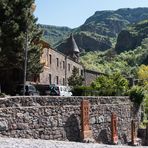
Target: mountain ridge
x: 99, y: 32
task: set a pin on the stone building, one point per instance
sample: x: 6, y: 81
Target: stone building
x: 58, y: 65
x: 90, y: 75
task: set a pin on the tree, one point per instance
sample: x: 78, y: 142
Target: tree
x: 114, y: 84
x: 146, y: 107
x: 16, y: 22
x: 75, y: 79
x: 143, y: 74
x: 137, y: 94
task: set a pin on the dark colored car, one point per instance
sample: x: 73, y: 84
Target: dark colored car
x: 43, y: 89
x: 30, y: 90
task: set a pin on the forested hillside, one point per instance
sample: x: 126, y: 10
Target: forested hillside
x: 99, y: 32
x: 125, y: 59
x: 109, y: 62
x: 54, y: 34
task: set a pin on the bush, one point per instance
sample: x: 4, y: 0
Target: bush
x: 145, y: 105
x: 111, y: 85
x: 84, y: 91
x: 75, y: 79
x: 137, y: 95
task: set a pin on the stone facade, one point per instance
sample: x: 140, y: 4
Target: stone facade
x: 59, y: 118
x: 58, y: 67
x: 90, y: 75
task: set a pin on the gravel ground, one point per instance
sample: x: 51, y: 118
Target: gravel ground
x: 33, y: 143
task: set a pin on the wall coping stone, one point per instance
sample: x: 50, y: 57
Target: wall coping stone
x: 24, y: 101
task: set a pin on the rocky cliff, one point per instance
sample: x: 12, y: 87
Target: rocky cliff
x: 131, y: 38
x: 99, y: 31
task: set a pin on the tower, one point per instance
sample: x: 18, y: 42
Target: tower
x: 70, y: 48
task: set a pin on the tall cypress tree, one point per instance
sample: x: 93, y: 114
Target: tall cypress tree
x: 17, y: 20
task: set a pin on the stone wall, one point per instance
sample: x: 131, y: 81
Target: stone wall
x: 90, y: 76
x: 60, y: 117
x: 143, y: 134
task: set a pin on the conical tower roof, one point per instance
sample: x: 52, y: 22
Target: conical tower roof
x: 74, y: 45
x: 69, y: 47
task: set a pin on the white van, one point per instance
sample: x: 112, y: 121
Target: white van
x: 60, y: 90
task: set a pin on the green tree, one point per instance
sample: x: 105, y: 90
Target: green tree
x: 114, y: 84
x: 75, y: 79
x: 146, y: 106
x: 143, y: 74
x: 17, y: 21
x: 137, y: 94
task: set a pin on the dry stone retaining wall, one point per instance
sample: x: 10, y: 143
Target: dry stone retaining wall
x: 59, y: 118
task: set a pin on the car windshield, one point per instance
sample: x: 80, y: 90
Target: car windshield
x: 27, y: 87
x: 32, y: 88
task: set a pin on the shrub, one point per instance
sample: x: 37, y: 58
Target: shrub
x: 137, y: 95
x: 111, y: 85
x: 84, y: 91
x: 75, y: 79
x: 145, y: 105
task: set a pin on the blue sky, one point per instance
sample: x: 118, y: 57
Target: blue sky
x: 73, y: 13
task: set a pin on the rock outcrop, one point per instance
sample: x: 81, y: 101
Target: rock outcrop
x: 131, y: 38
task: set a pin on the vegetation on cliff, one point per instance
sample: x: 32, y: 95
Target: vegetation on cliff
x: 131, y: 38
x: 99, y: 31
x: 54, y: 34
x: 127, y: 61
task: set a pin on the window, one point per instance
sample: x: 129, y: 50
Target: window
x: 60, y: 65
x: 68, y: 67
x: 63, y: 81
x: 63, y: 65
x: 49, y: 78
x: 78, y: 71
x: 57, y: 79
x: 57, y: 62
x: 46, y: 63
x: 82, y: 72
x: 50, y: 58
x: 32, y: 88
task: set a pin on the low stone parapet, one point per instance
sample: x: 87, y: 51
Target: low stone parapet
x: 59, y: 118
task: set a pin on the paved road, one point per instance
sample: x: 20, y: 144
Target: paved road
x: 32, y: 143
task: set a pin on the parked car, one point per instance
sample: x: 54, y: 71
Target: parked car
x: 44, y: 89
x: 30, y: 90
x: 60, y: 90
